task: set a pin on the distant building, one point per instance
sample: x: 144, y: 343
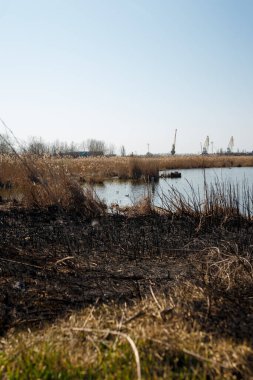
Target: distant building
x: 83, y: 154
x: 95, y: 153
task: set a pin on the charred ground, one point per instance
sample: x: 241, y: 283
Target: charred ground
x: 54, y: 261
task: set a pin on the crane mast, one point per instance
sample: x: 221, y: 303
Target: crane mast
x: 206, y: 146
x: 173, y: 149
x: 230, y: 145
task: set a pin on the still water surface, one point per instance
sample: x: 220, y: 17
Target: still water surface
x: 125, y: 193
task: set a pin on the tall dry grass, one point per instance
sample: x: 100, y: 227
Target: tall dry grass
x: 43, y: 182
x: 220, y: 200
x: 147, y: 167
x: 141, y: 168
x: 100, y: 168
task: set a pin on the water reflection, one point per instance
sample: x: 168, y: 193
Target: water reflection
x: 125, y: 193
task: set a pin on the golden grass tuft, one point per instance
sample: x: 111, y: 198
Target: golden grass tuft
x: 166, y: 334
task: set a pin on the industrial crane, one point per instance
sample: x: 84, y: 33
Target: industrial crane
x: 230, y: 145
x: 206, y: 146
x: 173, y: 149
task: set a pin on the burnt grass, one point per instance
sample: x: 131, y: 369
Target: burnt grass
x: 54, y: 261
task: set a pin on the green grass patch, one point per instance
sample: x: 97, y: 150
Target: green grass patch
x: 40, y: 364
x: 112, y: 363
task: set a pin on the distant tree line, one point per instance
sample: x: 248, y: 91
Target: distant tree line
x: 37, y: 146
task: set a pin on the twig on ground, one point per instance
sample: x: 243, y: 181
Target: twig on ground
x: 64, y: 259
x: 139, y: 314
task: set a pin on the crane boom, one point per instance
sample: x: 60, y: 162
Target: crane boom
x: 173, y: 149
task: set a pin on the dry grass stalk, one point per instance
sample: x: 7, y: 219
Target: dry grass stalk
x: 226, y: 268
x: 120, y: 334
x: 154, y: 298
x: 222, y: 201
x: 143, y: 207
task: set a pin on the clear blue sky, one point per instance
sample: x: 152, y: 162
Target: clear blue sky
x: 129, y: 71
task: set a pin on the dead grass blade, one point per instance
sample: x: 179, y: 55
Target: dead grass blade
x: 120, y: 334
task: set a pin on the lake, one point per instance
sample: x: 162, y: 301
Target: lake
x: 126, y: 193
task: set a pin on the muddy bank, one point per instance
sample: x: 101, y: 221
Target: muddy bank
x: 53, y: 262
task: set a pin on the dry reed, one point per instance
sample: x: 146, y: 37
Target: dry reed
x: 37, y: 182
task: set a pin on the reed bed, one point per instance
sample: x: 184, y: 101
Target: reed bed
x: 37, y: 182
x: 148, y: 167
x: 97, y: 169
